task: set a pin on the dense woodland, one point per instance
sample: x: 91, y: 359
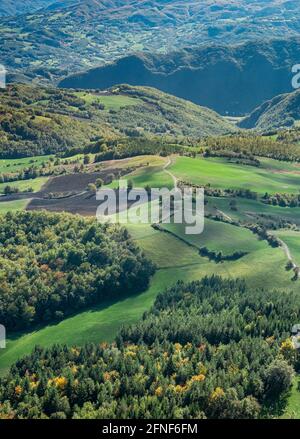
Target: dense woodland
x: 209, y: 349
x: 283, y: 148
x: 37, y: 120
x: 55, y: 264
x: 283, y: 200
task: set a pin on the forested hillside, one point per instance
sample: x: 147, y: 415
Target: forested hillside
x: 228, y: 79
x: 284, y: 146
x: 17, y: 7
x: 53, y: 265
x: 210, y: 349
x: 281, y: 111
x: 51, y: 43
x: 37, y: 120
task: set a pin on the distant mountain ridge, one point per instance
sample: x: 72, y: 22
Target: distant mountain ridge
x: 60, y: 41
x: 229, y: 79
x: 18, y: 7
x: 280, y: 112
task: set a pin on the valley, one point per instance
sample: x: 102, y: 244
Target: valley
x: 175, y: 255
x: 231, y: 79
x: 68, y: 38
x: 188, y: 110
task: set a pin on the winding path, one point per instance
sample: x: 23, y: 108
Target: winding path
x: 287, y: 252
x: 175, y: 179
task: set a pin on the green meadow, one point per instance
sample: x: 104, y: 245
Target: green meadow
x: 292, y: 410
x: 13, y: 206
x: 33, y: 185
x: 8, y: 166
x: 110, y: 102
x: 218, y: 236
x: 248, y: 210
x: 153, y: 176
x: 219, y: 173
x: 292, y: 240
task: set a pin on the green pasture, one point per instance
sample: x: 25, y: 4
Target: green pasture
x: 222, y: 174
x: 153, y: 176
x: 219, y: 236
x: 248, y: 210
x: 13, y: 206
x: 11, y: 166
x: 292, y: 240
x: 24, y: 185
x: 292, y: 410
x: 110, y: 102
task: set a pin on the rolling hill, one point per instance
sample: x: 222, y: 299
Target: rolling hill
x: 18, y: 7
x: 37, y: 120
x: 60, y: 41
x: 231, y: 80
x: 279, y: 112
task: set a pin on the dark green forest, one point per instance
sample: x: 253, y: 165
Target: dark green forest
x: 282, y: 147
x: 52, y: 265
x: 209, y: 349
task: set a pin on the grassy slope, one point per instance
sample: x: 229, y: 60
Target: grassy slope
x: 220, y: 237
x: 292, y: 410
x: 109, y: 102
x: 152, y: 174
x: 212, y: 171
x: 176, y: 260
x: 13, y: 206
x: 292, y: 239
x: 23, y: 185
x: 16, y: 165
x: 154, y: 177
x: 249, y: 209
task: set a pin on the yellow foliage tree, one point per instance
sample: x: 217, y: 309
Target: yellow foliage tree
x: 159, y: 391
x: 60, y: 382
x: 18, y: 390
x: 217, y: 394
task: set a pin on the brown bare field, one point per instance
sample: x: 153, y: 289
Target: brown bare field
x: 83, y: 204
x: 68, y: 192
x: 72, y: 182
